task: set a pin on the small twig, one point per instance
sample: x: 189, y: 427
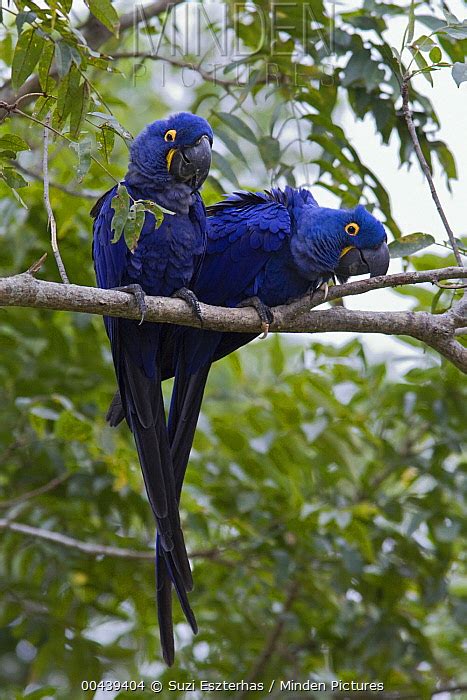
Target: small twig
x: 73, y: 192
x: 95, y: 549
x: 450, y: 286
x: 36, y: 266
x: 461, y: 331
x: 48, y: 206
x: 35, y: 492
x: 424, y: 165
x: 272, y: 641
x: 95, y: 160
x: 389, y: 695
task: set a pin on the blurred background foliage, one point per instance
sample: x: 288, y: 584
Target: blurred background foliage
x: 323, y: 504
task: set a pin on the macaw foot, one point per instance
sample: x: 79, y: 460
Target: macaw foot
x: 264, y: 312
x: 139, y: 295
x: 191, y: 299
x: 323, y: 286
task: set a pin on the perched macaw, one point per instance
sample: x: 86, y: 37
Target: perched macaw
x: 263, y: 249
x: 169, y: 161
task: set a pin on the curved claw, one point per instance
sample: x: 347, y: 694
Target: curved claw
x: 265, y: 329
x: 264, y: 312
x: 191, y: 299
x: 325, y: 287
x: 139, y: 295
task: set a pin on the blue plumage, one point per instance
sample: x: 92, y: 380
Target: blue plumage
x: 169, y: 161
x: 276, y: 246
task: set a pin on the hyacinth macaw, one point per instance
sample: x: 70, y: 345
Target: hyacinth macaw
x: 169, y: 161
x: 263, y: 249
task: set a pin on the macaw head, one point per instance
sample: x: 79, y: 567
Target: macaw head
x: 170, y: 151
x: 365, y: 245
x: 344, y: 241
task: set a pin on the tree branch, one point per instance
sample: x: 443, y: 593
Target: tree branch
x: 73, y: 192
x: 424, y: 165
x: 45, y: 488
x: 257, y: 672
x: 95, y: 35
x: 95, y: 549
x: 48, y: 206
x: 208, y: 76
x: 389, y: 695
x: 436, y: 330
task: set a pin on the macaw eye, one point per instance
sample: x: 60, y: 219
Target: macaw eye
x: 170, y: 135
x: 352, y: 229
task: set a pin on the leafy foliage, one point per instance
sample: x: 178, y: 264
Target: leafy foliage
x: 324, y: 494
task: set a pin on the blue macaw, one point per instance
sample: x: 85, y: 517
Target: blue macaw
x: 263, y: 249
x: 169, y: 161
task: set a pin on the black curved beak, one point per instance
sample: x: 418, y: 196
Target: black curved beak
x: 191, y: 164
x: 361, y: 262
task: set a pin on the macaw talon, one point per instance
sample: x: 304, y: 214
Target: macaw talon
x: 191, y: 299
x: 325, y: 288
x: 138, y: 294
x: 264, y: 312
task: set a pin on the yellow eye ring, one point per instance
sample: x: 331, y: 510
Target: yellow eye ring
x: 170, y: 135
x: 352, y: 229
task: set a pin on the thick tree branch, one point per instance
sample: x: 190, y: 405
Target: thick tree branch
x: 95, y: 35
x: 437, y: 331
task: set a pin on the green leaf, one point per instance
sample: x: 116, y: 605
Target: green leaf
x: 23, y: 18
x: 43, y: 106
x: 407, y: 245
x: 238, y: 126
x: 83, y: 150
x: 422, y: 64
x: 68, y: 96
x: 71, y: 426
x: 446, y: 159
x: 27, y: 53
x: 457, y: 32
x: 121, y: 207
x: 270, y: 151
x: 105, y: 139
x: 436, y: 54
x: 396, y: 54
x: 450, y: 18
x: 157, y: 210
x: 231, y: 144
x: 134, y: 225
x: 79, y: 110
x: 45, y: 63
x: 436, y: 298
x: 225, y: 168
x: 12, y: 178
x: 112, y: 123
x: 423, y: 43
x: 459, y: 72
x: 63, y: 58
x: 12, y: 142
x: 106, y: 13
